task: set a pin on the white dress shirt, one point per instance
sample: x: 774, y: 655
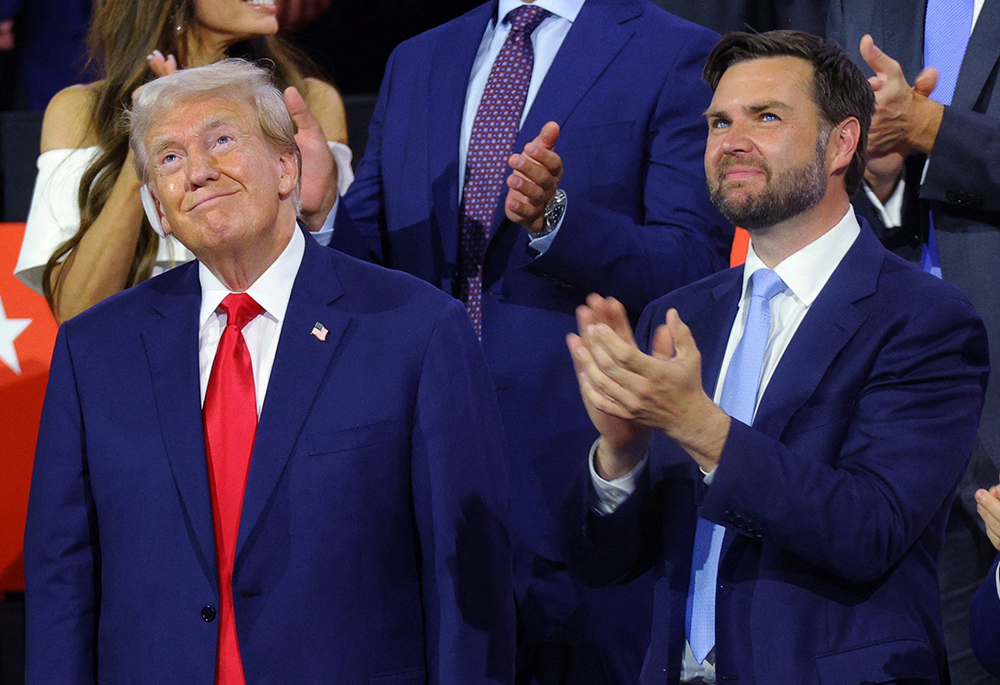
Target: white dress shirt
x: 805, y: 273
x: 271, y: 291
x: 545, y: 41
x: 892, y: 211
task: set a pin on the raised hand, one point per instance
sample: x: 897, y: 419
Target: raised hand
x: 905, y: 119
x: 536, y: 176
x: 319, y: 170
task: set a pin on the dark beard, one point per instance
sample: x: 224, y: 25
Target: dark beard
x: 786, y: 194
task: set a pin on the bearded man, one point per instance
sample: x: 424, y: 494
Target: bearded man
x: 785, y: 460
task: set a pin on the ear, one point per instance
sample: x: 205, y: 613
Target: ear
x: 843, y: 142
x: 164, y: 224
x: 288, y: 179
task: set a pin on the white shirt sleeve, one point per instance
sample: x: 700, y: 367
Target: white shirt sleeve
x: 54, y: 216
x: 612, y: 493
x: 998, y: 580
x: 892, y: 211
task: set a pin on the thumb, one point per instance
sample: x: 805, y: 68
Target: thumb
x: 881, y: 63
x: 297, y: 108
x: 549, y: 135
x: 663, y: 343
x: 926, y: 81
x: 684, y: 344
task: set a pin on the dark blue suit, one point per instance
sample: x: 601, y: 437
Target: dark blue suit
x: 625, y: 87
x: 373, y: 544
x: 984, y: 623
x: 834, y: 501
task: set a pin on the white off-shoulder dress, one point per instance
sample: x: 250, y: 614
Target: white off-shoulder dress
x: 54, y: 216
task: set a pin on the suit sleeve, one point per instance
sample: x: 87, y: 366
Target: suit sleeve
x: 356, y: 231
x: 61, y: 552
x: 904, y: 443
x: 679, y: 236
x: 984, y: 623
x: 964, y: 169
x: 461, y: 501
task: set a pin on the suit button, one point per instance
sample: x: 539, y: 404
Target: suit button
x: 208, y: 613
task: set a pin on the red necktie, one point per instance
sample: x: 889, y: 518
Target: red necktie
x: 230, y: 416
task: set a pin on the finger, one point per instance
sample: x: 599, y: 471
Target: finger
x: 663, y: 343
x: 533, y: 169
x: 519, y: 207
x: 595, y: 386
x: 612, y: 353
x: 158, y: 63
x: 684, y: 345
x: 544, y: 156
x: 989, y: 503
x: 880, y: 62
x: 548, y: 135
x: 615, y: 316
x: 926, y: 81
x: 526, y: 187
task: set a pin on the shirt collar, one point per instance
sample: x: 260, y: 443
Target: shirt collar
x: 565, y: 9
x: 806, y: 272
x: 271, y: 290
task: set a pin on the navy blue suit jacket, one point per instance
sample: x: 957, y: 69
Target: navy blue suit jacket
x: 834, y: 500
x: 984, y: 623
x: 626, y: 89
x: 373, y: 544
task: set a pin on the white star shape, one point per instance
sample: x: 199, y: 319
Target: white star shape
x: 9, y: 330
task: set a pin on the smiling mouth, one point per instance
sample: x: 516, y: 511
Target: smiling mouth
x: 210, y: 198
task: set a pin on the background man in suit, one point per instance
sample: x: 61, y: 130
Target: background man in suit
x: 796, y: 526
x: 620, y: 82
x: 364, y: 541
x: 935, y: 171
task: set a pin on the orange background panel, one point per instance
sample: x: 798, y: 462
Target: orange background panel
x: 21, y: 398
x: 741, y: 243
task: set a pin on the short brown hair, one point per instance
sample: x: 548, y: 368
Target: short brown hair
x: 839, y: 89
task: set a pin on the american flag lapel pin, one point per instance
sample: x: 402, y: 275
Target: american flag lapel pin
x: 319, y: 332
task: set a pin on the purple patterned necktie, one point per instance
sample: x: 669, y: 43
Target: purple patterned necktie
x: 494, y: 131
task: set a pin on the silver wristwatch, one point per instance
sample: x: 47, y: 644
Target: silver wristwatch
x: 553, y: 213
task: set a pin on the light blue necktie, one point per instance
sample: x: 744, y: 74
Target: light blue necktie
x: 947, y: 29
x: 739, y: 400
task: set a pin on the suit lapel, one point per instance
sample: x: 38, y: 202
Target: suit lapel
x: 300, y: 367
x: 713, y: 322
x: 451, y: 66
x: 902, y: 20
x: 830, y: 323
x: 601, y: 30
x: 171, y: 344
x: 981, y: 56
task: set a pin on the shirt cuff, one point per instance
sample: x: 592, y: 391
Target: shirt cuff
x: 611, y: 494
x: 540, y: 245
x: 343, y: 157
x: 708, y: 476
x: 325, y: 234
x: 891, y: 212
x: 998, y: 580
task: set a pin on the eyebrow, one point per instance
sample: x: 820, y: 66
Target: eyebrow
x: 750, y: 109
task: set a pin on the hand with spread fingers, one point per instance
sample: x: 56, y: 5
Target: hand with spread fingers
x: 988, y: 506
x: 623, y: 386
x: 533, y: 184
x: 905, y: 119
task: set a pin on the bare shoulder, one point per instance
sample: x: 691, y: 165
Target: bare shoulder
x: 325, y: 103
x: 68, y: 121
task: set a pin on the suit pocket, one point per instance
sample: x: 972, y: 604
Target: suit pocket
x: 353, y: 437
x: 410, y: 676
x: 898, y: 661
x: 601, y: 134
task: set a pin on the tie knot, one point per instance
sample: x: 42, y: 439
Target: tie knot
x: 526, y: 18
x: 240, y: 309
x: 765, y: 283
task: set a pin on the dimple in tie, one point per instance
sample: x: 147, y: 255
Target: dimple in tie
x: 739, y: 400
x: 230, y: 417
x: 494, y: 131
x: 947, y: 29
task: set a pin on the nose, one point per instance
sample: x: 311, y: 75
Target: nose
x: 736, y: 138
x: 201, y: 168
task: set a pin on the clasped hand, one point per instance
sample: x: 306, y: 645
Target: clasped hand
x: 628, y: 393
